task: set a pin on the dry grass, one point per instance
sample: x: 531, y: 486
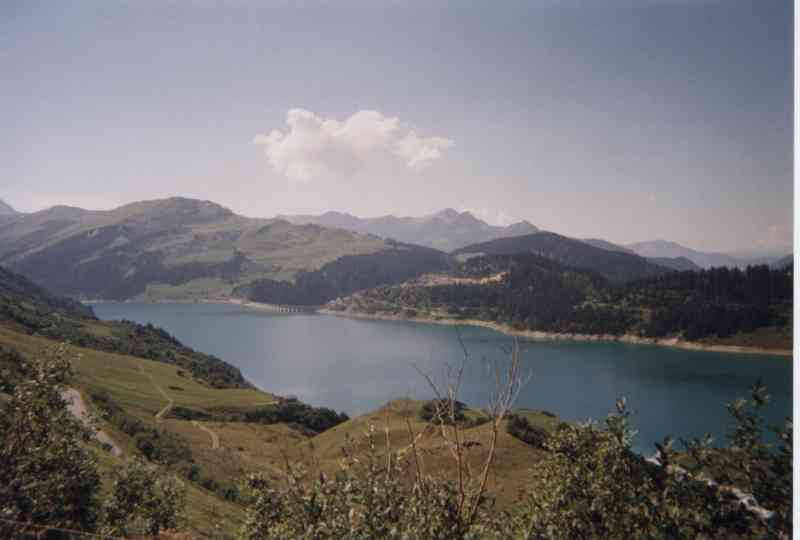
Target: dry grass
x: 509, y: 473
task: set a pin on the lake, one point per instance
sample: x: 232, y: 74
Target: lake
x: 358, y: 365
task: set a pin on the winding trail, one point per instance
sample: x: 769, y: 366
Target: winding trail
x: 78, y: 408
x: 171, y: 403
x: 214, y: 436
x: 160, y: 414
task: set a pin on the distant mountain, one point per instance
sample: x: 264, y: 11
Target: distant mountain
x: 17, y: 293
x: 663, y: 248
x: 446, y: 230
x: 603, y: 244
x: 615, y: 266
x: 6, y: 209
x: 783, y: 262
x: 674, y: 263
x: 681, y: 264
x: 178, y: 248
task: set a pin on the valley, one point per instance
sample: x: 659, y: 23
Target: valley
x: 189, y: 339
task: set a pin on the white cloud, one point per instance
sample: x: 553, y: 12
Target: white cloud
x: 492, y: 217
x: 315, y: 147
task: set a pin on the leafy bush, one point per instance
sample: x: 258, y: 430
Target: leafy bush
x: 437, y: 410
x: 47, y: 475
x: 316, y: 419
x: 142, y: 501
x: 365, y: 500
x: 589, y: 485
x: 12, y: 368
x: 187, y: 413
x: 519, y: 427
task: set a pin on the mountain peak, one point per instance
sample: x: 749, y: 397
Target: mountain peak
x: 522, y: 227
x: 447, y: 214
x: 6, y: 209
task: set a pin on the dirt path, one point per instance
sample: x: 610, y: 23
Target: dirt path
x: 160, y: 414
x: 78, y: 409
x: 171, y: 402
x: 214, y: 436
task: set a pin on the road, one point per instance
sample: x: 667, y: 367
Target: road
x: 79, y: 410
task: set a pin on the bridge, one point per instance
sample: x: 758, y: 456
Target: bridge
x: 288, y: 308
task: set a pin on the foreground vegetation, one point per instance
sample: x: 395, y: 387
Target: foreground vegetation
x: 413, y: 469
x: 588, y: 483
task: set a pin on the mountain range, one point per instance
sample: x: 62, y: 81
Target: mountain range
x: 184, y: 249
x: 703, y: 259
x: 446, y: 230
x: 175, y: 248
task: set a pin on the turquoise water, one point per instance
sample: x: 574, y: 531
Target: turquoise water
x: 358, y: 365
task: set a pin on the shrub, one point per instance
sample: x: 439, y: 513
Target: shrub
x: 445, y: 410
x: 142, y: 501
x: 589, y: 485
x: 47, y: 475
x: 519, y: 427
x: 315, y: 419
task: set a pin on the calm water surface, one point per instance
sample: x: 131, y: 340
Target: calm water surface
x: 358, y: 365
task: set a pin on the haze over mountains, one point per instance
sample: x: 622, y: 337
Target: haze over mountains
x: 680, y: 257
x: 446, y: 230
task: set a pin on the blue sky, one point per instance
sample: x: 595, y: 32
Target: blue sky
x: 625, y: 120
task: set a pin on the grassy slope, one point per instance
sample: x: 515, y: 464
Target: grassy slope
x: 513, y: 459
x: 206, y: 515
x: 178, y: 232
x: 131, y: 387
x: 248, y: 447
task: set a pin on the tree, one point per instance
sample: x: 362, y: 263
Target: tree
x: 47, y: 474
x: 592, y: 485
x: 142, y: 501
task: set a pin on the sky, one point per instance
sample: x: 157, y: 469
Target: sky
x: 627, y: 120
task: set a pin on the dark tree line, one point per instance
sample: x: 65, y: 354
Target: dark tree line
x: 719, y: 301
x: 540, y: 294
x: 349, y: 274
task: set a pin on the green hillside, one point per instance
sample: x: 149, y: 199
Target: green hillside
x: 617, y: 267
x: 175, y: 248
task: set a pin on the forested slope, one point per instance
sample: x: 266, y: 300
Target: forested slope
x: 536, y: 293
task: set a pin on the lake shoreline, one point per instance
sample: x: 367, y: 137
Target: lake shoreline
x: 537, y: 335
x: 531, y: 335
